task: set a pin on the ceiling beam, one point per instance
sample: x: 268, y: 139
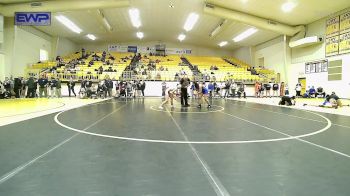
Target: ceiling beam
x: 61, y: 6
x: 252, y: 20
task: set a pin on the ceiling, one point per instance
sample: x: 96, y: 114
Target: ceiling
x: 162, y: 23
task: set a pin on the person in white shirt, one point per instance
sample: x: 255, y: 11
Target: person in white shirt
x: 298, y: 90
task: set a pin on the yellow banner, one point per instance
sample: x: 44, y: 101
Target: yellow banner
x: 332, y: 26
x: 344, y: 43
x: 332, y: 46
x: 345, y: 23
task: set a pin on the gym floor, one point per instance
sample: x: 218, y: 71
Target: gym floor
x: 130, y: 147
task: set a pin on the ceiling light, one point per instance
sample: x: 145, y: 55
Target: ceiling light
x: 135, y: 17
x: 181, y: 37
x: 191, y: 21
x: 69, y: 24
x: 222, y: 44
x: 139, y: 35
x: 91, y: 36
x: 218, y: 28
x: 245, y: 34
x: 288, y: 6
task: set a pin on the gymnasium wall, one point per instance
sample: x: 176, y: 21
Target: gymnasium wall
x: 196, y: 50
x: 66, y: 47
x: 27, y: 45
x: 274, y: 54
x: 22, y: 46
x: 296, y: 69
x: 244, y: 54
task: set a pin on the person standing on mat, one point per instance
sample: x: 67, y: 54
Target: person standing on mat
x: 185, y: 82
x: 298, y: 90
x: 43, y: 82
x: 282, y: 89
x: 71, y: 85
x: 169, y: 96
x: 203, y: 95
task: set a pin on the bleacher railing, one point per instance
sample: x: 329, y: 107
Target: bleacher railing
x: 151, y: 76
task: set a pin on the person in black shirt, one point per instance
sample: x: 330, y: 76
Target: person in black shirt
x: 71, y: 85
x: 88, y: 86
x: 7, y: 85
x: 17, y: 87
x: 268, y: 89
x: 287, y: 101
x: 321, y: 92
x: 275, y: 89
x: 143, y: 87
x: 31, y: 88
x: 43, y: 83
x: 185, y: 82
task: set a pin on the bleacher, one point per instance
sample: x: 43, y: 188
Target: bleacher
x: 265, y: 75
x: 225, y: 70
x: 166, y: 67
x: 82, y: 70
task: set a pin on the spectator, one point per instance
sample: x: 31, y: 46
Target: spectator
x: 227, y: 87
x: 43, y: 83
x: 268, y: 89
x: 58, y: 88
x: 312, y: 92
x: 7, y: 85
x: 31, y: 88
x: 143, y: 87
x: 321, y: 92
x: 282, y: 90
x: 17, y: 87
x: 164, y: 87
x: 233, y: 89
x: 275, y: 89
x: 298, y: 90
x: 109, y: 86
x: 71, y: 85
x: 257, y: 89
x: 241, y: 91
x: 53, y: 87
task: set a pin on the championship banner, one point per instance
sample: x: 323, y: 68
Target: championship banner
x: 332, y: 26
x: 344, y: 43
x: 345, y: 23
x: 332, y: 46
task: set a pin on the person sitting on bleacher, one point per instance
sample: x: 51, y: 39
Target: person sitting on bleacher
x: 320, y: 91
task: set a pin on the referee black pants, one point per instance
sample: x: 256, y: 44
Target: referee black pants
x: 184, y: 96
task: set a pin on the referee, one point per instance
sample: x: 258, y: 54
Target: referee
x: 185, y: 82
